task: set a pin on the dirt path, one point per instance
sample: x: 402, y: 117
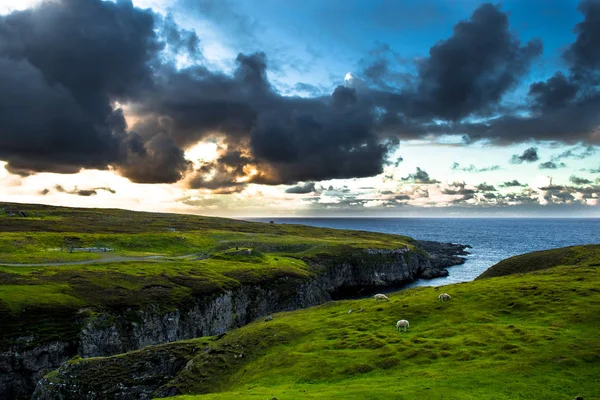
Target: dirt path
x: 105, y: 260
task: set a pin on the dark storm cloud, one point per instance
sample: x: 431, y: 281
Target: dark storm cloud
x: 291, y: 139
x: 530, y: 155
x: 463, y: 75
x: 552, y: 165
x: 420, y: 176
x: 555, y: 93
x: 157, y: 160
x: 302, y: 188
x: 50, y: 72
x: 470, y: 71
x: 62, y: 66
x: 65, y: 65
x: 467, y: 75
x: 565, y: 106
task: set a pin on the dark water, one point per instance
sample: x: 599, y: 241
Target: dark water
x: 493, y: 239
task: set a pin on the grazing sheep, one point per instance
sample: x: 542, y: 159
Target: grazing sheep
x: 402, y: 324
x: 380, y: 296
x: 444, y: 297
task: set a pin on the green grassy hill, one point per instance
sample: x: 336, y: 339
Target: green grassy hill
x: 198, y: 256
x: 44, y: 235
x: 538, y: 260
x: 529, y: 336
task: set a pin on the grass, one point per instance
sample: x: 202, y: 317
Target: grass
x: 43, y: 235
x: 527, y: 336
x: 31, y: 296
x: 538, y: 260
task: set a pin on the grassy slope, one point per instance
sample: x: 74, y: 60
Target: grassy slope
x: 538, y: 260
x: 528, y: 336
x: 44, y: 301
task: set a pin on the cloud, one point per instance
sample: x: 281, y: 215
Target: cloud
x: 302, y: 188
x: 484, y: 187
x: 78, y: 192
x: 472, y: 168
x: 420, y: 177
x: 471, y: 71
x: 578, y: 152
x: 50, y: 72
x: 564, y: 105
x: 290, y: 139
x: 459, y: 188
x: 157, y: 160
x: 562, y: 108
x: 552, y: 165
x: 71, y: 108
x: 49, y: 69
x: 513, y: 183
x: 308, y: 89
x: 530, y: 155
x: 579, y: 181
x: 395, y: 163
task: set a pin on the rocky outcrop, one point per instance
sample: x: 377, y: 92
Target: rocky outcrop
x: 21, y: 369
x: 107, y: 333
x: 444, y: 254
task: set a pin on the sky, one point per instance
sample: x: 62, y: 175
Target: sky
x: 260, y: 108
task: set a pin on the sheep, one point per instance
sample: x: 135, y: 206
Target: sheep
x: 444, y: 297
x: 402, y: 324
x: 380, y: 296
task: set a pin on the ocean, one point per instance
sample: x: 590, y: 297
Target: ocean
x: 492, y: 239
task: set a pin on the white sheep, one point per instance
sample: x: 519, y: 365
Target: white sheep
x: 444, y: 297
x: 380, y: 296
x: 402, y: 324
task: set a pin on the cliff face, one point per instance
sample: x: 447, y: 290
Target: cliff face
x: 109, y: 332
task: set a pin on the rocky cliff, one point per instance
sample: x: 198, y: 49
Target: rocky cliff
x: 109, y: 332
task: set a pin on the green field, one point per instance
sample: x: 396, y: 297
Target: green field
x: 194, y: 256
x: 524, y: 336
x: 43, y: 236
